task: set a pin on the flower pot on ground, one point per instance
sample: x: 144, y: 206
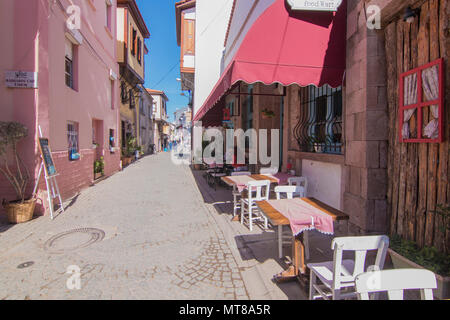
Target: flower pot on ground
x: 406, y: 254
x: 99, y: 168
x: 19, y: 212
x: 16, y: 172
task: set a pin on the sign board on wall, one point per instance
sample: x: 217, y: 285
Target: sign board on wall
x: 315, y: 5
x: 21, y: 79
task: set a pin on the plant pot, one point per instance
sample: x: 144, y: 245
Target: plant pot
x: 97, y: 175
x: 266, y: 116
x: 443, y: 283
x: 126, y: 161
x: 20, y: 212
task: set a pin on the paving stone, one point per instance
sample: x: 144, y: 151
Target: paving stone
x: 153, y: 246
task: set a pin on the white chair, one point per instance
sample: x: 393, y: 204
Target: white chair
x: 302, y: 183
x: 341, y: 274
x: 269, y: 171
x: 257, y: 191
x: 236, y: 194
x: 395, y: 282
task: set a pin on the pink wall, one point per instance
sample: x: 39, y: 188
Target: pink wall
x: 22, y: 22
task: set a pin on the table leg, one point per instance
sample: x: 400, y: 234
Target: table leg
x: 298, y: 254
x: 298, y: 268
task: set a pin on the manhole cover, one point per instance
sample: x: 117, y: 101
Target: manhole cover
x: 73, y: 240
x: 25, y: 265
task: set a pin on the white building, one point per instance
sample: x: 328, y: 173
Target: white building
x: 212, y: 18
x: 160, y: 124
x: 146, y: 125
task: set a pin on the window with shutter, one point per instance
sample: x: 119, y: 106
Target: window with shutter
x: 189, y: 37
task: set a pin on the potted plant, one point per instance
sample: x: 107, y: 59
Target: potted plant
x: 267, y: 114
x: 16, y: 172
x: 129, y: 152
x: 99, y: 168
x: 406, y: 254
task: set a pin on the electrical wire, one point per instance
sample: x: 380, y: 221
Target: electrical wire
x: 165, y: 76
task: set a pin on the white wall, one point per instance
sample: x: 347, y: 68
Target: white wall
x: 324, y: 182
x: 157, y: 99
x: 238, y: 29
x: 212, y: 18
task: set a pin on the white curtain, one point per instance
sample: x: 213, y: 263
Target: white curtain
x: 410, y: 97
x: 430, y: 84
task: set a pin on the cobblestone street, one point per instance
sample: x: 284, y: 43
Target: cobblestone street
x: 156, y: 239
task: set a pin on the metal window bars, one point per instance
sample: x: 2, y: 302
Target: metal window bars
x: 319, y: 128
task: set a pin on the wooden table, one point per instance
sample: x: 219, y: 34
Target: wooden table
x: 257, y: 177
x: 298, y: 267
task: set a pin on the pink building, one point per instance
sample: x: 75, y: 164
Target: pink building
x: 75, y: 100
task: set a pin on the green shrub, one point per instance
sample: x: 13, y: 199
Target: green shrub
x: 428, y: 257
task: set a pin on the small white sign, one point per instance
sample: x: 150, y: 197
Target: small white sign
x: 21, y: 79
x: 315, y: 5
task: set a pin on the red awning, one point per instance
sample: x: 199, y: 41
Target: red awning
x: 286, y: 47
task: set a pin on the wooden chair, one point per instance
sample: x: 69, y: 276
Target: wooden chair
x: 394, y: 282
x: 302, y: 183
x: 256, y: 191
x: 341, y: 274
x: 236, y: 194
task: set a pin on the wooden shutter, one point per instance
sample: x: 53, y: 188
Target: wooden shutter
x: 189, y: 37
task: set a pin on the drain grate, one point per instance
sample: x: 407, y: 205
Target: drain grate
x: 73, y: 240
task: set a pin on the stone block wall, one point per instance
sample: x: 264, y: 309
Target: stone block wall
x: 366, y: 125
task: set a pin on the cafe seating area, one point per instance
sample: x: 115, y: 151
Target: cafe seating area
x: 305, y: 242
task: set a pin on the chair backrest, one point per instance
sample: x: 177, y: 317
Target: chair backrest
x: 395, y: 282
x: 360, y: 246
x: 258, y: 190
x: 271, y: 170
x: 241, y: 173
x: 300, y: 182
x: 286, y: 190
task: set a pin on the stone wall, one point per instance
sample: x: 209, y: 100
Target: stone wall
x: 366, y: 124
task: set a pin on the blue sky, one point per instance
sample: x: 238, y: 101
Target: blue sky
x: 162, y: 64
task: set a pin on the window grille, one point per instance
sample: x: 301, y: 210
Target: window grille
x: 319, y: 128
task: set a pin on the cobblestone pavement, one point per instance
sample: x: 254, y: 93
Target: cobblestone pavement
x: 156, y: 240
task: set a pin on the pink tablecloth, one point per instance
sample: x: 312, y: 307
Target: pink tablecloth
x: 241, y: 181
x: 303, y: 216
x: 283, y: 178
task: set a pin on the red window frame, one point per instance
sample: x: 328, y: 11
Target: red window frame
x: 420, y: 104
